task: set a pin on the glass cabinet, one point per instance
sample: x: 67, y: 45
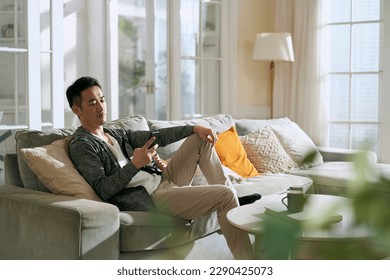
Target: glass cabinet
x: 31, y: 68
x: 31, y: 64
x: 13, y: 59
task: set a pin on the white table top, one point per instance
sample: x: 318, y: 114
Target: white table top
x: 249, y: 217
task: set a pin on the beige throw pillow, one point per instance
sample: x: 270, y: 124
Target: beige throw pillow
x: 297, y: 144
x: 54, y: 168
x: 266, y: 153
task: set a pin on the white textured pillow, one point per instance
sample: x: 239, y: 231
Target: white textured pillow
x: 297, y: 144
x: 53, y: 167
x: 266, y: 153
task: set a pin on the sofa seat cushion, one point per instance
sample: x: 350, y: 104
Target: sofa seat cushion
x: 330, y: 177
x: 200, y: 179
x: 149, y: 231
x: 334, y: 177
x: 271, y: 184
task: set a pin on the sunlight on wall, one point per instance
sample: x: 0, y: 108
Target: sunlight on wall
x: 74, y: 60
x: 253, y: 76
x: 70, y: 43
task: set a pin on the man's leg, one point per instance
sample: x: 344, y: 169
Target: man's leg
x: 194, y: 151
x: 192, y: 202
x: 175, y: 197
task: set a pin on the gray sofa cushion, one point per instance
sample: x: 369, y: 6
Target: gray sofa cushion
x: 133, y: 122
x: 335, y: 177
x: 245, y: 126
x: 272, y: 184
x: 330, y: 177
x: 219, y: 123
x: 11, y: 170
x: 149, y: 231
x: 297, y: 144
x: 341, y: 154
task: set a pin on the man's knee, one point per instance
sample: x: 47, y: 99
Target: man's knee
x: 195, y: 139
x: 227, y: 194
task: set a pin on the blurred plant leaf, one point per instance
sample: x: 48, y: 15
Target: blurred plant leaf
x: 280, y: 237
x: 309, y: 158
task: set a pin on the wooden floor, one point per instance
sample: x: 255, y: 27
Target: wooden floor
x: 211, y: 247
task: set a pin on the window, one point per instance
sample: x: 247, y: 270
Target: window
x: 31, y: 57
x: 170, y: 57
x: 143, y: 54
x: 200, y: 57
x: 354, y: 72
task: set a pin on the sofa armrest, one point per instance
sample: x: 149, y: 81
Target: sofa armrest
x: 38, y: 225
x: 339, y: 154
x: 11, y: 170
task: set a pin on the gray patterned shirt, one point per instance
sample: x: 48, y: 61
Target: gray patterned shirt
x: 98, y: 165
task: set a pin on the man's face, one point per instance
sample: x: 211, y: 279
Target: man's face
x: 93, y: 109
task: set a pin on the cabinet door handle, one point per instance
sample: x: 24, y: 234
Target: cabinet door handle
x: 150, y: 87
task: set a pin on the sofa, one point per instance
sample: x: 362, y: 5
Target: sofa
x: 47, y: 211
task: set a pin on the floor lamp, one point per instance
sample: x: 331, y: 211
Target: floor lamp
x: 273, y: 47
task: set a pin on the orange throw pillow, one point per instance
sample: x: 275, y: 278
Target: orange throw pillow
x: 232, y: 154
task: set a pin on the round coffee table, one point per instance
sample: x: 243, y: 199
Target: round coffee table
x: 249, y: 218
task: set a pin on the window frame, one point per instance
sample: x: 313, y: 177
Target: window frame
x: 33, y: 71
x: 227, y: 99
x: 380, y: 73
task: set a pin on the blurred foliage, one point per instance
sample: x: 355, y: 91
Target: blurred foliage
x: 370, y: 191
x: 370, y: 195
x: 127, y: 27
x: 279, y: 238
x: 131, y: 69
x: 309, y: 158
x: 135, y: 72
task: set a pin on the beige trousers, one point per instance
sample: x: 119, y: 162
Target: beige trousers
x: 176, y: 197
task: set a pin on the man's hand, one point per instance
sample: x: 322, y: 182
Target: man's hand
x: 161, y: 163
x: 206, y: 134
x: 142, y: 156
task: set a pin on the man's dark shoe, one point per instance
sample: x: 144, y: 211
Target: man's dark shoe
x: 248, y: 199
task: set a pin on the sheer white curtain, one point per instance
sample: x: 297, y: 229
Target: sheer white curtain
x: 299, y: 91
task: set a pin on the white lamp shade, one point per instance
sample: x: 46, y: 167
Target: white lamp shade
x: 273, y: 47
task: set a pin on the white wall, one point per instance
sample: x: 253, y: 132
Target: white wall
x: 75, y: 63
x: 84, y: 47
x: 253, y: 91
x: 385, y: 102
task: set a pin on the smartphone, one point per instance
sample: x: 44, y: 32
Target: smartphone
x: 155, y: 133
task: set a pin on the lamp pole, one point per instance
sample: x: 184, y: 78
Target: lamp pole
x: 273, y: 47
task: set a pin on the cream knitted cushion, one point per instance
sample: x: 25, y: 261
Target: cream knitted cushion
x: 266, y: 153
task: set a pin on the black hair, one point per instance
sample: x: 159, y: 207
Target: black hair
x: 73, y: 93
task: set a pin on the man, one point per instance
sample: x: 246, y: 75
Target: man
x: 115, y: 160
